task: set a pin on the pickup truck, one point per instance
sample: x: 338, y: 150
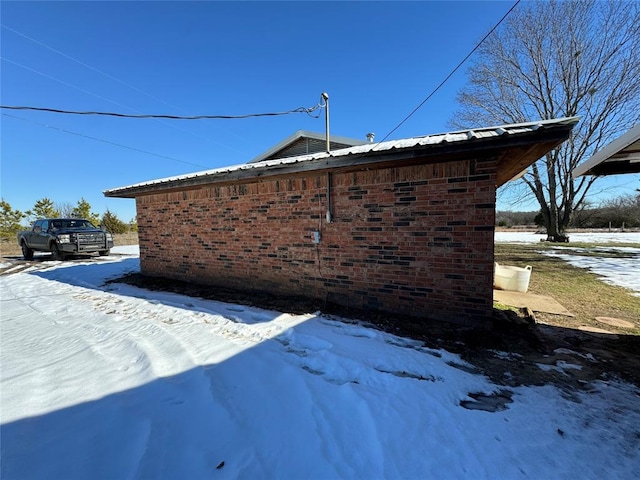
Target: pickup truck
x: 63, y: 237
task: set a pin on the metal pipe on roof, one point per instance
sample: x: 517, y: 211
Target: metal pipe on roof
x: 325, y: 97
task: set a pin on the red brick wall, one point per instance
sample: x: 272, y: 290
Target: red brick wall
x: 414, y: 240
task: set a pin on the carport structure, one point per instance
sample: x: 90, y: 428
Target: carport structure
x: 620, y: 156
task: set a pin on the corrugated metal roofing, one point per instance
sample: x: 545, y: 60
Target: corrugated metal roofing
x: 458, y: 137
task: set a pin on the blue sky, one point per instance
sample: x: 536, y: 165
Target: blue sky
x: 376, y: 60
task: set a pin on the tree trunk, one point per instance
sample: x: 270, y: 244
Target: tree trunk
x: 555, y: 228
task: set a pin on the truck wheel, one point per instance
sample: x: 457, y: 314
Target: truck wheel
x: 103, y: 253
x: 27, y: 253
x: 56, y: 253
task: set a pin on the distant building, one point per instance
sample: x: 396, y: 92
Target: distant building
x: 404, y: 226
x: 304, y: 142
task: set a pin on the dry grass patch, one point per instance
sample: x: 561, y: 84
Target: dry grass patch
x: 120, y: 239
x: 581, y: 292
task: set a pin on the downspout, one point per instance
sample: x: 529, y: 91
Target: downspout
x: 328, y: 197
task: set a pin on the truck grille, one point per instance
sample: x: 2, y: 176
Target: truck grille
x: 90, y: 238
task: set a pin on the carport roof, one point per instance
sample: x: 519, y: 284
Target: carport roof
x: 516, y: 147
x: 620, y: 156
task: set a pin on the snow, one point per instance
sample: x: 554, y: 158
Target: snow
x: 598, y: 237
x: 113, y: 381
x: 126, y: 250
x: 620, y: 269
x: 560, y: 366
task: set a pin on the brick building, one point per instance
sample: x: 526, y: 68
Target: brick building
x: 404, y: 226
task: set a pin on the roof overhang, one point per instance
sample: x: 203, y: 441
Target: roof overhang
x: 515, y: 147
x: 620, y: 156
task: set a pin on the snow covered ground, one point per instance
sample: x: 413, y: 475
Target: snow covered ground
x: 618, y: 270
x: 621, y: 271
x: 600, y: 237
x: 112, y: 381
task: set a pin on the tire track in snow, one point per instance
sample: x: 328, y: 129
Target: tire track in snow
x: 144, y: 333
x: 16, y: 266
x: 159, y: 322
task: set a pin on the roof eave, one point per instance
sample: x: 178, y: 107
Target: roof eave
x: 529, y: 146
x: 608, y: 161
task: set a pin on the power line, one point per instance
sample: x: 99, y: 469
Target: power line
x: 101, y: 72
x: 309, y: 111
x: 106, y: 99
x: 88, y: 92
x: 122, y: 82
x: 452, y: 72
x: 103, y: 141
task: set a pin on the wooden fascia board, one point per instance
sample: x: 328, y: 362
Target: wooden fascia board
x: 513, y: 163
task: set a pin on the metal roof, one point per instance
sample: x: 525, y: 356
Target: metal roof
x: 368, y: 153
x: 620, y: 156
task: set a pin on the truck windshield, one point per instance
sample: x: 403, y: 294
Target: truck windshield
x: 57, y: 224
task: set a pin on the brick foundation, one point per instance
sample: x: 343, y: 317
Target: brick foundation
x: 413, y: 240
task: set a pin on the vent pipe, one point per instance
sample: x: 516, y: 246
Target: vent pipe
x: 371, y: 136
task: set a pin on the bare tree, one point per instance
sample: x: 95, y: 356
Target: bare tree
x: 65, y: 209
x: 552, y: 60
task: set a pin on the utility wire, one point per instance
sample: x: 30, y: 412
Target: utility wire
x: 88, y: 92
x: 128, y: 85
x: 308, y: 111
x: 108, y: 100
x: 90, y: 67
x: 450, y: 74
x: 103, y: 141
x: 299, y: 110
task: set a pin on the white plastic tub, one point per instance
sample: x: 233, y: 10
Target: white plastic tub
x: 512, y: 278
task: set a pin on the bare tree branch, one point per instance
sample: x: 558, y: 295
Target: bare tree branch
x: 559, y: 59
